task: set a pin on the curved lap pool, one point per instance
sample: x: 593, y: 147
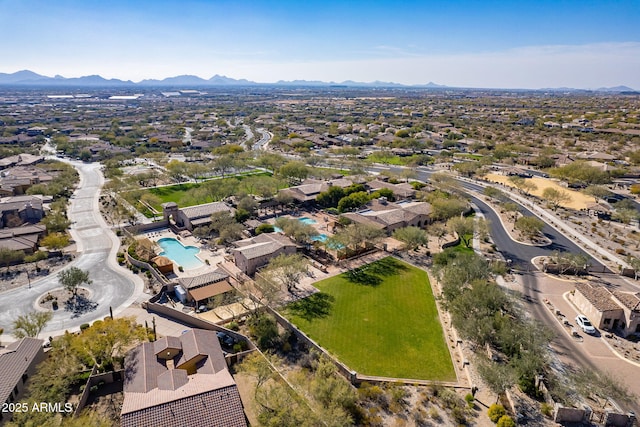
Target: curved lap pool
x: 181, y: 255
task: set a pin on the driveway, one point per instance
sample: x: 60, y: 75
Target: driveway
x: 113, y: 286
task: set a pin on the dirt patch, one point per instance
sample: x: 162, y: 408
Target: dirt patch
x: 578, y: 200
x: 57, y: 298
x: 246, y: 386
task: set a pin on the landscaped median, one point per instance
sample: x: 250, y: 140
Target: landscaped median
x: 379, y: 320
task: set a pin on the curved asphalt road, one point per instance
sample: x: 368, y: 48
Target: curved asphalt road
x: 113, y: 286
x: 519, y: 253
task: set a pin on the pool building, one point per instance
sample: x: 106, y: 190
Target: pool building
x: 193, y: 216
x: 251, y: 254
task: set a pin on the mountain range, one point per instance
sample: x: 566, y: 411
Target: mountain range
x: 29, y: 78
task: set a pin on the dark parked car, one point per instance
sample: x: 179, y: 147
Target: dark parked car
x: 226, y: 339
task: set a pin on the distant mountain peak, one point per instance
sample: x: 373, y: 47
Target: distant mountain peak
x: 30, y: 78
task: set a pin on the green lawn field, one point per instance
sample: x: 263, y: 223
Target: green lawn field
x: 380, y: 320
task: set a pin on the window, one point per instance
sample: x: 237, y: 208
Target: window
x: 24, y: 377
x: 607, y: 321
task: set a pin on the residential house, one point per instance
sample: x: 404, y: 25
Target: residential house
x: 255, y: 252
x: 310, y: 188
x: 16, y: 180
x: 401, y: 191
x: 24, y: 238
x: 193, y: 216
x: 23, y: 159
x: 390, y: 216
x: 18, y: 362
x: 180, y: 381
x: 202, y: 287
x: 611, y: 310
x: 18, y: 210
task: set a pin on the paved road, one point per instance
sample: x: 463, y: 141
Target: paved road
x: 263, y: 142
x: 113, y: 286
x: 522, y: 254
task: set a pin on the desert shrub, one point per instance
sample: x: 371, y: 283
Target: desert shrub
x: 495, y: 412
x: 264, y: 228
x: 459, y: 415
x: 469, y: 399
x: 233, y: 326
x: 265, y: 330
x: 506, y: 421
x: 434, y: 414
x: 546, y: 409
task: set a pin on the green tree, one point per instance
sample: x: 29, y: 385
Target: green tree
x: 467, y: 169
x: 567, y: 261
x: 512, y: 208
x: 35, y: 257
x: 580, y: 172
x: 258, y: 366
x: 624, y: 216
x: 271, y: 161
x: 494, y: 193
x: 297, y: 230
x: 248, y: 204
x: 412, y: 237
x: 295, y: 171
x: 10, y: 256
x: 73, y: 277
x: 265, y: 330
x: 498, y: 377
x: 287, y: 270
x: 356, y: 236
x: 331, y: 197
x: 463, y: 227
x: 106, y: 340
x: 56, y: 221
x: 555, y: 197
x: 353, y: 201
x: 598, y: 191
x: 31, y: 324
x: 177, y: 170
x: 529, y: 226
x: 445, y: 208
x: 55, y: 241
x: 224, y: 164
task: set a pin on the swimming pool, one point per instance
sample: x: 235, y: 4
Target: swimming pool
x: 319, y: 238
x: 306, y: 220
x: 181, y: 255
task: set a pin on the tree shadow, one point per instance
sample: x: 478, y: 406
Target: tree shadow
x: 315, y: 306
x: 371, y: 274
x: 362, y: 277
x: 79, y: 305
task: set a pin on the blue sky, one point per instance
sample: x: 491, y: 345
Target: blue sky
x: 473, y: 43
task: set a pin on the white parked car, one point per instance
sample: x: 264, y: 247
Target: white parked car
x: 585, y: 324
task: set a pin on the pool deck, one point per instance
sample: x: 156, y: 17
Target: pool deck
x: 322, y: 221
